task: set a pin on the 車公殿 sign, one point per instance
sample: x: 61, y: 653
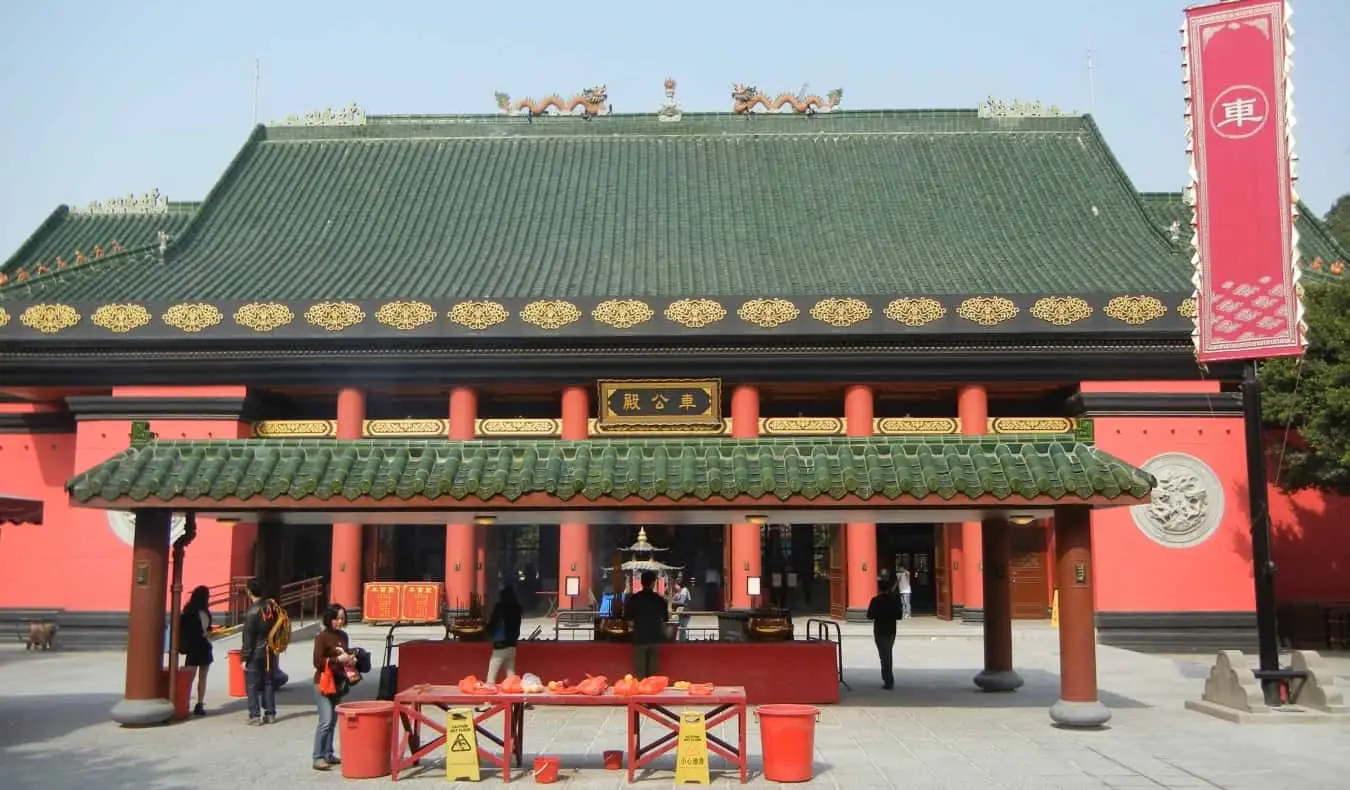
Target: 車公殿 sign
x: 660, y: 404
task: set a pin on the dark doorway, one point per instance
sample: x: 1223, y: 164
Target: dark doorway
x: 911, y: 546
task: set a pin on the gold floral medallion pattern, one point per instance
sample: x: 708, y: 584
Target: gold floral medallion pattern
x: 893, y: 426
x: 1135, y: 310
x: 478, y: 315
x: 192, y: 317
x: 801, y: 426
x: 1030, y: 425
x: 519, y: 427
x: 915, y: 312
x: 622, y: 313
x: 405, y: 316
x: 550, y: 313
x: 1061, y: 310
x: 1189, y: 308
x: 841, y: 312
x: 263, y: 316
x: 768, y: 313
x: 988, y: 310
x: 335, y: 316
x: 50, y: 318
x: 4, y: 316
x: 120, y: 318
x: 695, y: 313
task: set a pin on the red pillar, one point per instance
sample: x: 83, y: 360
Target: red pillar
x: 461, y: 551
x: 746, y: 554
x: 972, y: 406
x: 143, y: 699
x: 574, y: 538
x: 1078, y: 705
x: 998, y: 674
x: 344, y: 584
x: 860, y: 539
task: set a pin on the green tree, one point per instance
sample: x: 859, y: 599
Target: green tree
x: 1311, y: 396
x: 1338, y: 220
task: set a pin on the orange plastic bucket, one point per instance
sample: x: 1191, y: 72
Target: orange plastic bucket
x: 236, y: 668
x: 613, y: 760
x: 546, y: 770
x: 364, y: 730
x: 182, y: 703
x: 787, y: 738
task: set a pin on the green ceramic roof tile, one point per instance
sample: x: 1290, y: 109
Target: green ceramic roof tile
x: 66, y: 233
x: 1008, y: 467
x: 865, y: 203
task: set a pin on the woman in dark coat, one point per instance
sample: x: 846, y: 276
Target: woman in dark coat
x: 194, y: 625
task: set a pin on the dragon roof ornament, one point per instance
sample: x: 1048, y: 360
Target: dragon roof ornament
x: 351, y: 115
x: 745, y: 98
x: 591, y: 101
x: 997, y: 108
x: 152, y: 202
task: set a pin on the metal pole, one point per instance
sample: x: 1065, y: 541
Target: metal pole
x: 1263, y: 566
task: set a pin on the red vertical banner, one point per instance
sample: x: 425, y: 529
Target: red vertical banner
x: 1239, y: 122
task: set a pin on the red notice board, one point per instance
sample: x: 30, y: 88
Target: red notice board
x: 422, y: 602
x: 381, y: 602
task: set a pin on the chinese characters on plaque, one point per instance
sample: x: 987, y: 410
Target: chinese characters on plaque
x: 660, y: 404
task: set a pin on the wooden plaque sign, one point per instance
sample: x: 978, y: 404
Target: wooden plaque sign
x: 660, y: 404
x: 421, y: 602
x: 380, y: 602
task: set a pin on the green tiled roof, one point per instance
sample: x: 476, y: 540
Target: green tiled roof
x: 864, y: 203
x: 66, y: 233
x: 928, y: 470
x: 1315, y: 241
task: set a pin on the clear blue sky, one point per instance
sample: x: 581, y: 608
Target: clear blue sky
x: 107, y: 97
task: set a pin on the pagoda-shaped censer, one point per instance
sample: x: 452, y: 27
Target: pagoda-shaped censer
x: 625, y: 575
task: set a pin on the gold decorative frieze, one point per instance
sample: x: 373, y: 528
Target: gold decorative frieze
x: 801, y: 426
x: 295, y: 429
x: 263, y: 316
x: 915, y: 311
x: 1030, y: 425
x: 405, y: 316
x: 841, y: 312
x: 1135, y: 310
x: 4, y: 316
x: 520, y: 427
x: 550, y: 313
x: 988, y: 310
x: 722, y: 428
x: 892, y: 426
x: 1189, y: 308
x: 335, y: 316
x: 1061, y: 310
x: 375, y: 429
x: 120, y: 318
x: 768, y: 313
x: 192, y: 317
x: 622, y: 313
x: 695, y: 313
x: 50, y: 318
x: 478, y: 315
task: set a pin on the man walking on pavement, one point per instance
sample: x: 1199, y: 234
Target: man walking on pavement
x: 257, y: 657
x: 884, y: 611
x: 902, y: 587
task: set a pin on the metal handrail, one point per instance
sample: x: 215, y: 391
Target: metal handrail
x: 818, y: 630
x: 306, y: 596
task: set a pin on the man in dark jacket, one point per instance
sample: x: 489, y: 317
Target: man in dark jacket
x: 884, y: 611
x: 258, y: 658
x: 648, y: 612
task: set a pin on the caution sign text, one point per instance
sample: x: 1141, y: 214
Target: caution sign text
x: 691, y: 755
x: 461, y: 746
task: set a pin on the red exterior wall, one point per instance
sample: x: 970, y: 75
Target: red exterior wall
x: 1310, y: 533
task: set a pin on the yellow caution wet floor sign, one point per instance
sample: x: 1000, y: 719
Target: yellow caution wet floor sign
x: 461, y: 746
x: 691, y: 755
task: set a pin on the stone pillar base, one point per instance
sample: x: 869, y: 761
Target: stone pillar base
x: 1080, y: 715
x: 855, y: 616
x: 998, y: 680
x: 971, y: 615
x: 142, y: 712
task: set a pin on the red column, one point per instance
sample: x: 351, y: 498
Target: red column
x: 461, y: 551
x: 746, y: 553
x: 344, y: 584
x: 998, y: 674
x: 1078, y: 705
x: 574, y: 538
x: 143, y: 699
x: 860, y: 539
x: 972, y: 406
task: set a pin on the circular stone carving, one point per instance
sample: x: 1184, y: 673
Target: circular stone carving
x: 123, y: 525
x: 1187, y: 504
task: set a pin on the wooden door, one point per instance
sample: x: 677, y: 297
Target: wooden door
x: 1029, y: 566
x: 942, y: 578
x: 838, y: 573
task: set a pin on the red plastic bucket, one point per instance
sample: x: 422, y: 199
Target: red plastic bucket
x: 182, y: 703
x: 236, y: 667
x: 364, y: 731
x: 787, y: 738
x: 546, y: 770
x: 613, y: 760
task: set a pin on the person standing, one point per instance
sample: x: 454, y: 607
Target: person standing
x: 194, y: 641
x: 679, y: 603
x: 258, y: 658
x: 903, y: 588
x: 332, y: 651
x: 884, y: 611
x: 503, y: 628
x: 648, y: 612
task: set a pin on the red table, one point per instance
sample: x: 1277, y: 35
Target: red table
x: 406, y: 747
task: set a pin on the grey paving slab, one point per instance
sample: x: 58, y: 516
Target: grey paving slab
x: 933, y: 731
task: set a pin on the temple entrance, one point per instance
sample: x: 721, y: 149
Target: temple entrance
x: 404, y: 553
x: 1030, y: 573
x: 911, y: 546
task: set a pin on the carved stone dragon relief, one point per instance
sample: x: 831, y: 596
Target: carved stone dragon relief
x: 1187, y: 506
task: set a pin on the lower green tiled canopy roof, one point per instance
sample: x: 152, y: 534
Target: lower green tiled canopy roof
x: 392, y: 472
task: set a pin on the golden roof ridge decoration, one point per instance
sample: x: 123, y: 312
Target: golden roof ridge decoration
x: 120, y: 318
x: 550, y: 314
x: 50, y: 318
x: 478, y: 315
x: 1189, y: 308
x: 4, y: 316
x: 351, y: 115
x: 152, y: 202
x: 263, y: 316
x: 335, y: 316
x: 622, y: 313
x: 915, y: 311
x: 768, y: 313
x: 192, y: 317
x: 405, y: 315
x: 590, y: 101
x: 988, y: 310
x: 695, y: 313
x: 1061, y: 310
x: 1135, y: 310
x: 841, y: 312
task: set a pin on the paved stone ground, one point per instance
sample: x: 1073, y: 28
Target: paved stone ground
x: 933, y: 731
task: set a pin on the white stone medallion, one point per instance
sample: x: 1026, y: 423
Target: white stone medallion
x: 123, y: 525
x: 1187, y: 505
